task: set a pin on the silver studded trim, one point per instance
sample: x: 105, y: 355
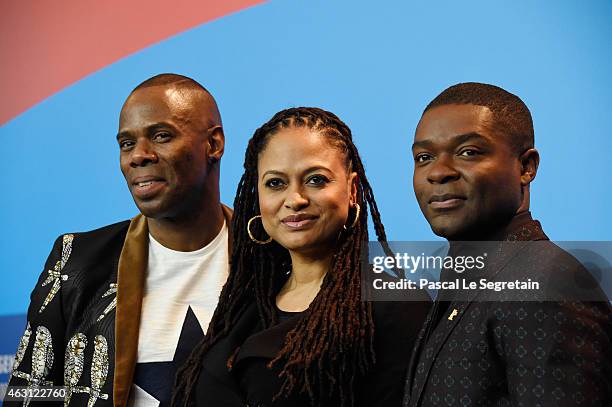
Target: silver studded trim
x: 23, y: 345
x: 74, y: 362
x: 42, y: 355
x: 99, y: 367
x: 55, y: 276
x: 111, y: 306
x: 42, y: 359
x: 99, y: 372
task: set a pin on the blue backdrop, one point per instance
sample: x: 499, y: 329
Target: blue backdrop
x: 374, y: 64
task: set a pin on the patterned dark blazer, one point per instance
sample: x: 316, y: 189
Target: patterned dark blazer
x: 84, y: 316
x: 70, y: 334
x: 488, y: 350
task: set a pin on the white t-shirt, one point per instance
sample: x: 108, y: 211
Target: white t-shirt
x: 180, y: 295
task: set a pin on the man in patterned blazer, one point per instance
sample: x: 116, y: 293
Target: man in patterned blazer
x: 116, y: 310
x: 474, y: 160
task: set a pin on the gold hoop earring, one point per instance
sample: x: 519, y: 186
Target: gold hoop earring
x: 357, y: 212
x: 251, y: 234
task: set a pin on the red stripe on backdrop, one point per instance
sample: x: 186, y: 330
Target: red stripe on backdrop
x: 47, y: 45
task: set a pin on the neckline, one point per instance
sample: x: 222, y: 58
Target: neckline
x: 282, y: 312
x: 210, y: 247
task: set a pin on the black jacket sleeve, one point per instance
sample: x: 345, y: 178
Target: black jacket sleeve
x: 566, y: 361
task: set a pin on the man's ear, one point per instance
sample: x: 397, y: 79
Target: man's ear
x: 216, y: 144
x: 530, y: 160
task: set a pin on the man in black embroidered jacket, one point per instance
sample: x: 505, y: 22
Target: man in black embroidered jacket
x: 85, y: 311
x: 474, y: 160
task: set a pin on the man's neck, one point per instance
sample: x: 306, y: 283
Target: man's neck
x: 500, y: 233
x: 190, y: 233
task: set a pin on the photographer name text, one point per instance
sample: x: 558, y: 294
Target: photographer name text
x: 457, y: 284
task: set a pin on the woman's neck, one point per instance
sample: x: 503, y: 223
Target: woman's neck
x: 304, y: 282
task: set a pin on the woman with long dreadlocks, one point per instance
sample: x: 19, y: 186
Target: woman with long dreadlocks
x: 291, y: 328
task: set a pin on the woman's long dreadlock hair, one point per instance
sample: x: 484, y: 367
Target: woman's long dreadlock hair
x: 332, y: 345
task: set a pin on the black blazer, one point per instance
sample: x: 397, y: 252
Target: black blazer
x: 493, y: 352
x: 71, y: 318
x: 396, y: 327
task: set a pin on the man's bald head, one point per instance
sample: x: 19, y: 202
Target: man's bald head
x: 190, y: 90
x: 171, y: 143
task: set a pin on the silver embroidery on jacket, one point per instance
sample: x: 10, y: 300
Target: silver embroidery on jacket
x: 74, y: 361
x: 42, y: 362
x: 23, y: 345
x: 111, y: 306
x: 42, y: 355
x: 99, y: 372
x: 55, y: 276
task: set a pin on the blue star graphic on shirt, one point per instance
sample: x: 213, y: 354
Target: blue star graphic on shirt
x: 157, y: 378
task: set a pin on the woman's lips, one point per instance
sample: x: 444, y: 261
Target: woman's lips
x: 296, y: 222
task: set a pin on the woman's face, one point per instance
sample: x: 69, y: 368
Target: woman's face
x: 304, y: 190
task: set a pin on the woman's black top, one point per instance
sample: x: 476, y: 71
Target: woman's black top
x: 258, y: 382
x: 252, y: 383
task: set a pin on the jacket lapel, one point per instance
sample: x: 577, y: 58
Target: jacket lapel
x: 130, y: 285
x: 228, y: 214
x: 131, y: 276
x: 416, y: 352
